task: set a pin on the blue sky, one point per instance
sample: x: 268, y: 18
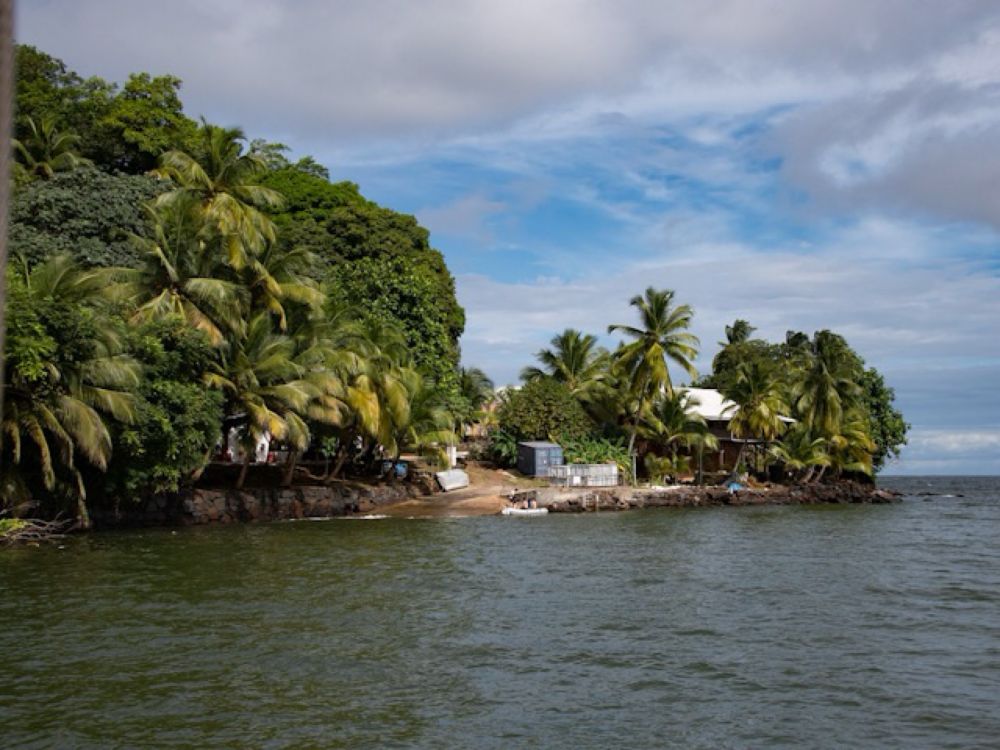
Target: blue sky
x: 803, y: 165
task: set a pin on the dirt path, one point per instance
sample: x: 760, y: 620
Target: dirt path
x: 485, y: 496
x: 471, y: 501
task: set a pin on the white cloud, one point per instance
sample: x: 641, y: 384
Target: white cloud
x: 929, y: 326
x: 957, y: 441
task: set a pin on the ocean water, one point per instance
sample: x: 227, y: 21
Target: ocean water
x: 859, y: 626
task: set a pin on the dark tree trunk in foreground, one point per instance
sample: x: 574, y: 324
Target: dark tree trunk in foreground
x: 243, y: 471
x: 290, y: 463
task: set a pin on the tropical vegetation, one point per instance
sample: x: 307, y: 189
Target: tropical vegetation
x: 806, y: 408
x: 174, y: 283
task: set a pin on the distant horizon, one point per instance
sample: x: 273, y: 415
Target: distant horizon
x: 815, y: 167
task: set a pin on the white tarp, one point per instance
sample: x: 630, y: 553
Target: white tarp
x: 454, y: 479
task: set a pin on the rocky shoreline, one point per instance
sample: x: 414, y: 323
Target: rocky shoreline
x: 562, y: 500
x: 223, y: 506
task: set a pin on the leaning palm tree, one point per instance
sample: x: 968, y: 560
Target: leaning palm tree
x: 827, y: 388
x: 178, y: 276
x: 801, y: 452
x: 672, y: 422
x: 662, y: 337
x: 477, y: 391
x: 266, y: 387
x: 56, y: 406
x: 46, y: 150
x: 760, y: 405
x: 852, y: 448
x: 222, y: 177
x: 426, y: 424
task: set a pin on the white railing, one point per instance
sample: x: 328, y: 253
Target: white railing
x: 584, y: 475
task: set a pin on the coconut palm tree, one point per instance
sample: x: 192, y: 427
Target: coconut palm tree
x: 426, y: 423
x: 266, y: 386
x: 801, y: 452
x: 477, y: 391
x: 738, y: 333
x: 46, y: 150
x: 672, y: 423
x: 851, y: 450
x: 662, y: 337
x: 58, y: 404
x: 221, y: 176
x: 277, y: 278
x: 760, y: 406
x: 574, y: 359
x: 827, y: 388
x: 178, y: 276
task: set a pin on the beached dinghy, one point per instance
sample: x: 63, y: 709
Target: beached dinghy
x: 525, y: 511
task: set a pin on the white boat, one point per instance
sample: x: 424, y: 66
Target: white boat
x: 525, y: 511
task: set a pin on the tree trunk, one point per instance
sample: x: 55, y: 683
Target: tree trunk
x: 82, y: 514
x: 739, y: 457
x: 293, y: 458
x: 819, y: 477
x: 808, y: 475
x: 243, y: 471
x: 341, y: 459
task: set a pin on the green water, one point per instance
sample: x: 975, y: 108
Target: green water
x: 760, y: 627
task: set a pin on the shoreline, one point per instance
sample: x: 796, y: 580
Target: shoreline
x: 211, y: 506
x: 562, y: 500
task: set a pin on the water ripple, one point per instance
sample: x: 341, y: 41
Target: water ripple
x: 714, y: 628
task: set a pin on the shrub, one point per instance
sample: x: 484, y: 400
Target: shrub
x: 544, y: 409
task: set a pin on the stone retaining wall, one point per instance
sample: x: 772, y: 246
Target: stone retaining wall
x: 202, y: 506
x: 560, y: 500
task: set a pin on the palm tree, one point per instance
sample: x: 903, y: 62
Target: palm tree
x: 662, y: 337
x: 574, y: 359
x: 221, y: 177
x: 266, y: 386
x: 852, y: 448
x: 738, y: 333
x: 827, y: 388
x: 760, y: 405
x: 46, y: 150
x: 801, y: 452
x: 58, y: 404
x: 278, y: 277
x: 177, y: 276
x: 672, y: 423
x: 477, y: 391
x: 426, y: 424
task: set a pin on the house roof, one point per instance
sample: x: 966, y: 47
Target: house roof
x: 539, y: 444
x: 712, y: 406
x: 709, y: 404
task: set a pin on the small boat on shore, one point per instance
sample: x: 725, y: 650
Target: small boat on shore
x: 525, y: 511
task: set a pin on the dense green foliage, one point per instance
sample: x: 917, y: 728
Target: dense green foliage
x: 176, y: 282
x: 177, y: 419
x: 376, y: 260
x: 87, y: 213
x: 544, y: 409
x: 807, y: 405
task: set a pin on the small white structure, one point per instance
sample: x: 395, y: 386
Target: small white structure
x: 260, y: 451
x: 453, y: 479
x: 584, y: 475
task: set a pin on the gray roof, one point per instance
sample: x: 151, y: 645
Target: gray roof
x: 539, y: 444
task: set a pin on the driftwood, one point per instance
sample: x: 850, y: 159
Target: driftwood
x: 33, y: 531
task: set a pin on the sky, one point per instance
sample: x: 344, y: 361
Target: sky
x: 802, y: 165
